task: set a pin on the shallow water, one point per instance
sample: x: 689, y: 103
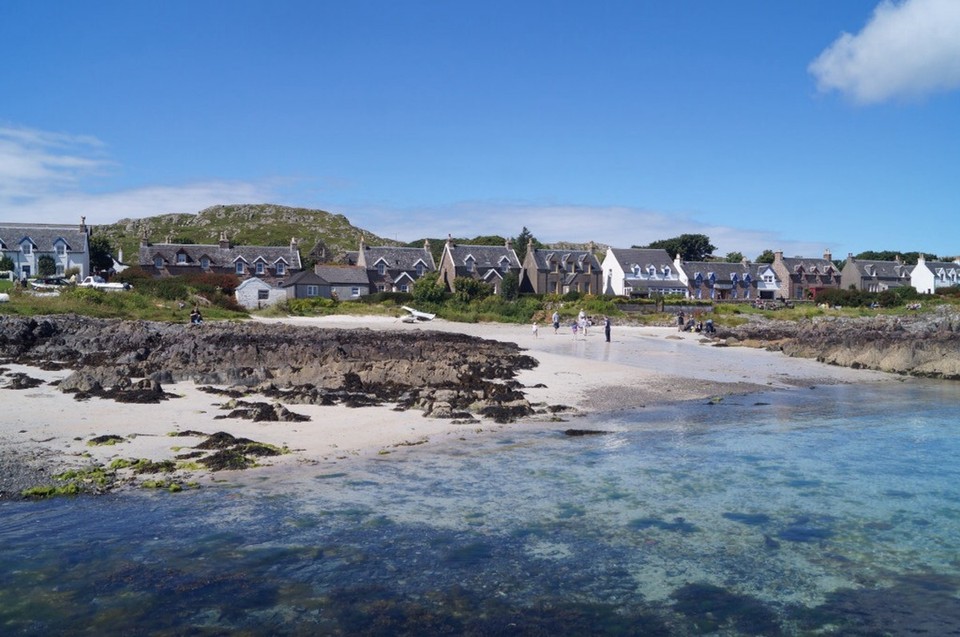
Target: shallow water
x: 832, y: 510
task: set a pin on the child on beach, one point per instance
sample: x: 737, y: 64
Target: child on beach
x: 536, y: 330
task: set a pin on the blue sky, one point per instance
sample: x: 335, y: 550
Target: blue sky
x: 797, y: 125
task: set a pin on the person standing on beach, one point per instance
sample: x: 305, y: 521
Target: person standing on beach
x: 536, y: 330
x: 606, y: 327
x: 556, y: 321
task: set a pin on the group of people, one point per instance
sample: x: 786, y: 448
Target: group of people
x: 694, y: 325
x: 579, y: 326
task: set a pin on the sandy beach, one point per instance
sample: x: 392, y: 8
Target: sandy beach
x: 640, y: 366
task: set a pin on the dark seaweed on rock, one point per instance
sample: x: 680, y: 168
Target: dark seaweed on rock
x: 368, y: 366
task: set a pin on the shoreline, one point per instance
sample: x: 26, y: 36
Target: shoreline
x: 46, y: 431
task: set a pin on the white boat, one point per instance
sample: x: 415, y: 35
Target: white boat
x: 49, y: 284
x: 98, y: 283
x: 416, y: 315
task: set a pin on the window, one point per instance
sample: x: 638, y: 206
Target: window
x: 419, y: 269
x: 181, y: 258
x: 381, y: 268
x: 404, y: 288
x: 313, y: 290
x: 158, y: 263
x: 263, y: 295
x: 239, y: 267
x: 61, y: 248
x: 205, y: 263
x: 381, y: 287
x: 469, y: 263
x: 259, y: 267
x: 354, y: 292
x: 26, y: 247
x: 281, y: 268
x: 505, y: 266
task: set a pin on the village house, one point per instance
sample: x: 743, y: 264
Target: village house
x: 486, y: 263
x: 66, y: 246
x: 272, y: 264
x: 804, y: 277
x: 343, y: 282
x: 640, y: 272
x: 547, y: 271
x: 874, y: 276
x: 255, y: 293
x: 722, y: 281
x: 929, y: 276
x: 395, y: 269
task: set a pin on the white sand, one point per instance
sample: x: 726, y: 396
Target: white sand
x: 642, y: 365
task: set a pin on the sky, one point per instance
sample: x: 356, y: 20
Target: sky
x: 799, y: 125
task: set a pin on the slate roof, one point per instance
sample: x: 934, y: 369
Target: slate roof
x: 342, y: 274
x: 484, y: 256
x: 723, y: 271
x: 810, y: 265
x: 43, y: 237
x: 880, y: 269
x: 397, y: 258
x: 544, y: 257
x: 220, y: 257
x: 643, y: 257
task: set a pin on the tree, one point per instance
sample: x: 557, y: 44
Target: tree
x: 466, y: 289
x: 46, y: 266
x: 428, y: 290
x: 766, y: 256
x: 521, y: 241
x: 734, y: 257
x: 690, y: 247
x: 100, y: 255
x: 6, y: 264
x: 510, y: 288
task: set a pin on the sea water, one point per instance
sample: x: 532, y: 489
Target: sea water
x: 830, y: 510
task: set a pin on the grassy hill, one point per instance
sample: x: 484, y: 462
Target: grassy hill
x: 245, y: 224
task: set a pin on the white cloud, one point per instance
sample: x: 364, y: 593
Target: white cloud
x: 907, y: 49
x: 618, y: 226
x: 43, y: 174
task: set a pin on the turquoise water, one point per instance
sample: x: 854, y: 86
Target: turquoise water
x: 822, y: 511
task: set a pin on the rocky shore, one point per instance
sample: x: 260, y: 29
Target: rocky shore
x: 444, y: 374
x: 926, y: 345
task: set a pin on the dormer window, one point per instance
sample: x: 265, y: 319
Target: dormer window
x: 239, y: 267
x: 667, y: 271
x: 181, y: 258
x: 505, y: 265
x: 420, y: 269
x: 381, y: 268
x: 281, y: 268
x: 652, y: 271
x: 469, y: 263
x: 260, y: 268
x: 61, y: 248
x: 158, y: 263
x: 205, y: 263
x: 26, y: 247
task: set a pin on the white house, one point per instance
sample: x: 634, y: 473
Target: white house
x: 640, y: 272
x: 26, y: 245
x: 928, y: 276
x: 254, y: 293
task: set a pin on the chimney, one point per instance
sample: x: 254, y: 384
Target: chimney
x: 224, y: 242
x: 508, y: 244
x: 745, y: 262
x: 83, y: 225
x: 293, y: 244
x: 449, y: 241
x: 426, y: 245
x: 143, y: 239
x: 896, y: 258
x: 778, y: 256
x: 827, y: 255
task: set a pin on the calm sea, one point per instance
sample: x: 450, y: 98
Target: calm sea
x: 832, y: 510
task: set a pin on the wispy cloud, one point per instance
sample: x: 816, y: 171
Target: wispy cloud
x: 907, y: 49
x: 45, y: 178
x: 619, y: 226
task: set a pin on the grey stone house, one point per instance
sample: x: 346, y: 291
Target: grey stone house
x: 804, y: 277
x: 486, y: 263
x: 548, y: 271
x: 874, y: 276
x: 344, y: 282
x: 718, y: 280
x: 395, y: 269
x: 272, y: 264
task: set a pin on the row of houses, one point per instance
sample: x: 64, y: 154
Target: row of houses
x: 271, y: 273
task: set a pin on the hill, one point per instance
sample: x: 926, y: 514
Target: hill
x: 245, y: 224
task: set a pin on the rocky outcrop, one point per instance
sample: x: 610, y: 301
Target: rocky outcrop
x: 921, y: 345
x: 307, y: 364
